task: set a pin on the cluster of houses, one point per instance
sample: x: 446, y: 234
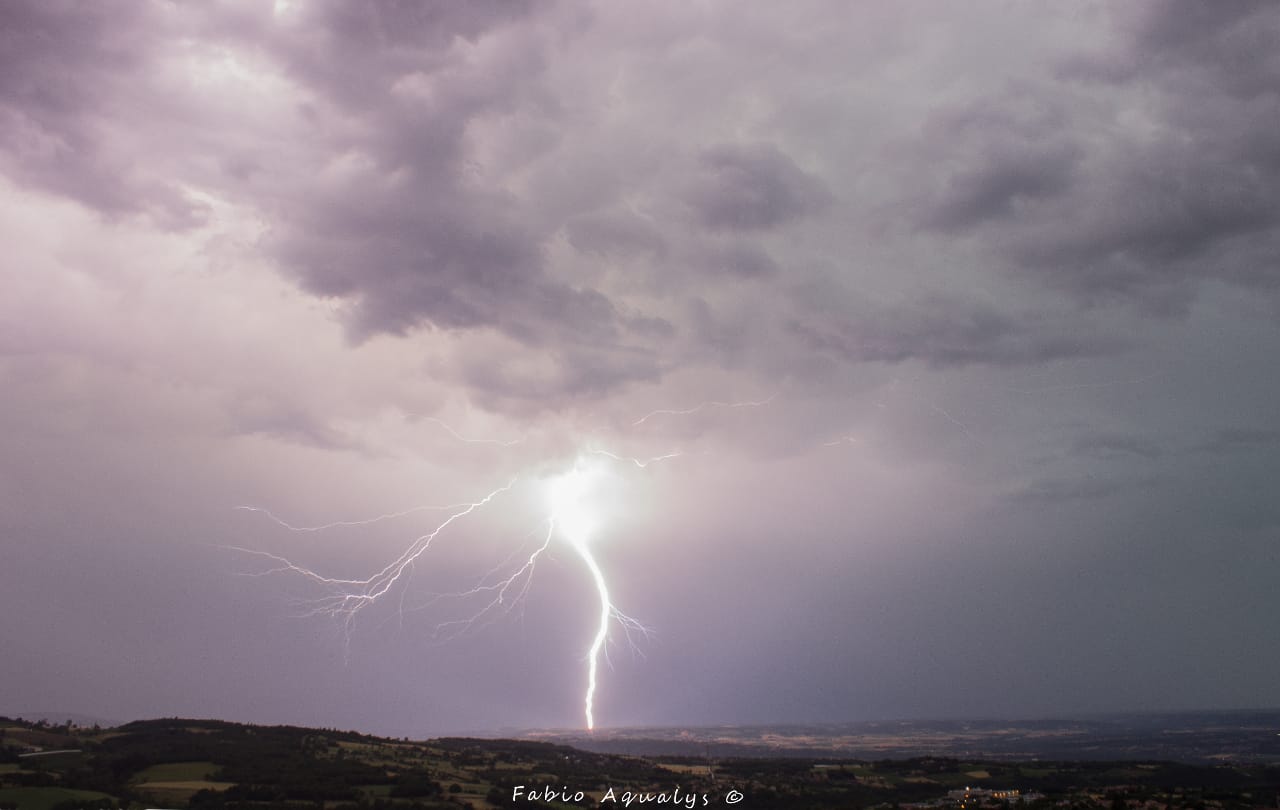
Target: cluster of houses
x: 972, y: 798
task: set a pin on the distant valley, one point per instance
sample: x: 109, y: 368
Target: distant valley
x: 1199, y: 737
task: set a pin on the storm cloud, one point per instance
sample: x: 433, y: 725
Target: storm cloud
x: 913, y: 301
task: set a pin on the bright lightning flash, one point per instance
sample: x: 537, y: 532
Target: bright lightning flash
x: 573, y: 514
x: 576, y: 504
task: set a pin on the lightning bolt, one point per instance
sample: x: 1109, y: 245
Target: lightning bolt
x: 963, y: 427
x: 847, y: 439
x: 571, y: 516
x: 471, y: 440
x: 703, y: 406
x: 348, y: 597
x: 342, y: 523
x: 602, y: 632
x: 500, y: 603
x: 639, y: 462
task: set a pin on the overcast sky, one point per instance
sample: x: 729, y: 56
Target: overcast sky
x: 993, y: 288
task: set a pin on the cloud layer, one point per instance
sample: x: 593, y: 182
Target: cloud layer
x: 925, y: 297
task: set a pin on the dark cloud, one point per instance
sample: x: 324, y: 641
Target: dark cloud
x: 1168, y: 177
x: 407, y: 241
x: 62, y: 68
x: 375, y: 210
x: 745, y: 261
x: 616, y: 234
x: 511, y: 384
x: 1116, y: 445
x: 48, y: 50
x: 1082, y: 488
x: 995, y: 158
x: 1235, y: 440
x: 1229, y: 45
x: 401, y: 262
x: 380, y: 212
x: 259, y: 415
x: 945, y: 331
x: 727, y: 338
x: 353, y: 53
x: 745, y: 188
x: 1165, y: 218
x: 1000, y: 186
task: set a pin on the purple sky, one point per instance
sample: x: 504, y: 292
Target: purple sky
x: 1006, y: 275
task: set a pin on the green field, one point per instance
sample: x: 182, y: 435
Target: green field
x: 43, y: 798
x: 178, y: 772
